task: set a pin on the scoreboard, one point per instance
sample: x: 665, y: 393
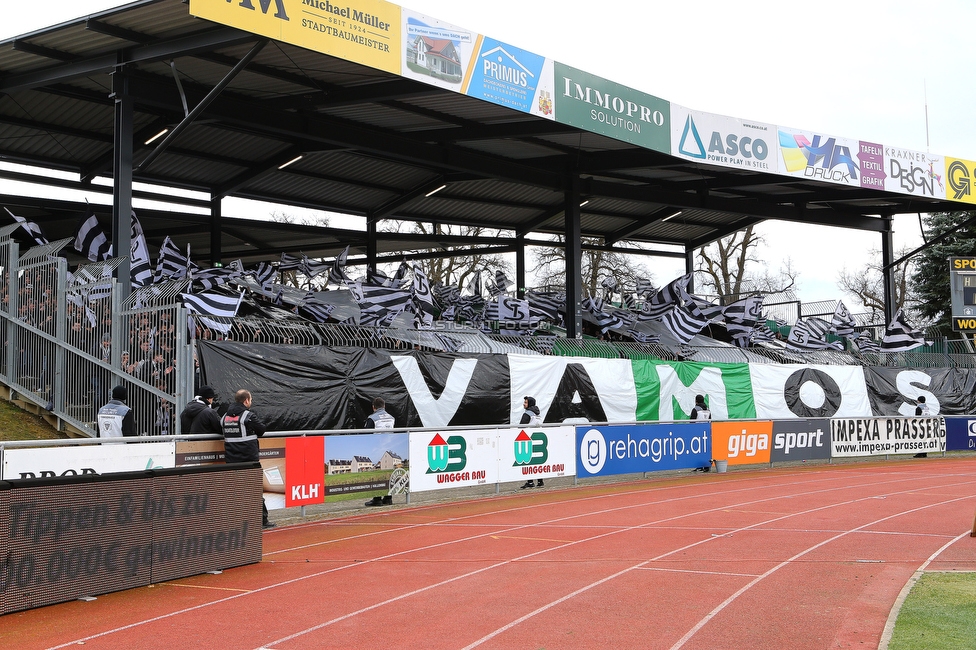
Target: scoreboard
x: 962, y: 278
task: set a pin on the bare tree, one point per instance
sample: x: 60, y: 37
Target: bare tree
x: 867, y: 283
x: 729, y: 268
x: 453, y: 269
x: 596, y: 265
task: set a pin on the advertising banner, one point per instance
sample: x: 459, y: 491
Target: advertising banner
x: 435, y: 52
x: 819, y: 157
x: 742, y: 442
x: 92, y: 459
x: 362, y: 31
x: 800, y: 440
x: 629, y: 449
x: 453, y: 459
x: 851, y: 437
x: 960, y: 433
x: 959, y: 179
x: 914, y: 172
x: 723, y: 141
x: 510, y: 76
x: 608, y: 108
x: 304, y: 471
x: 815, y: 391
x: 536, y: 452
x: 363, y: 464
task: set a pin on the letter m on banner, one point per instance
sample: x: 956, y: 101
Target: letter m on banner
x: 304, y: 471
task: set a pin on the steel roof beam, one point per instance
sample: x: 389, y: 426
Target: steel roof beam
x: 256, y: 171
x: 405, y: 198
x: 641, y: 223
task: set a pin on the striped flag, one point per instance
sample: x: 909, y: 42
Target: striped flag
x: 762, y: 334
x: 546, y: 304
x: 900, y: 336
x: 171, y: 263
x: 474, y: 284
x: 842, y: 323
x: 661, y: 302
x: 865, y: 343
x: 32, y: 229
x: 378, y: 306
x: 377, y: 278
x: 211, y: 278
x: 423, y: 300
x: 337, y: 273
x: 289, y: 263
x: 644, y: 287
x: 90, y: 239
x: 140, y: 267
x: 318, y: 310
x: 502, y: 283
x: 643, y: 337
x: 265, y: 274
x: 399, y: 280
x: 685, y: 320
x: 311, y: 268
x: 213, y: 304
x: 628, y: 301
x: 810, y: 335
x: 741, y: 317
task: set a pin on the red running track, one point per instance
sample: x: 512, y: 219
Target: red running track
x: 806, y: 557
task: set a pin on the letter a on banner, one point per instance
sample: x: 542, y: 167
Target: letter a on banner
x: 304, y: 471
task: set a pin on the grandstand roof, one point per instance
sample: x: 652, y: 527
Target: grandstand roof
x: 373, y: 143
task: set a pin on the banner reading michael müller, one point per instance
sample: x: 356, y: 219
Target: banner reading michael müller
x: 851, y: 437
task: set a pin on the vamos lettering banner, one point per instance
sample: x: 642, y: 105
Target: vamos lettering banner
x: 895, y: 391
x: 815, y: 391
x: 602, y: 106
x: 537, y: 452
x: 667, y: 390
x: 629, y: 449
x: 800, y: 440
x: 94, y: 459
x: 742, y: 442
x: 510, y: 76
x: 363, y: 31
x: 851, y: 437
x: 573, y: 389
x: 453, y: 459
x: 723, y: 141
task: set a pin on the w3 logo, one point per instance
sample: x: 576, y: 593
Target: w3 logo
x: 531, y: 450
x: 446, y: 456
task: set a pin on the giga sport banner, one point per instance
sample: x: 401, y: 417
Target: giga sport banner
x: 316, y: 387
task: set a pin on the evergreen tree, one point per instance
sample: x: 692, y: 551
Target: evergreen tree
x: 956, y: 234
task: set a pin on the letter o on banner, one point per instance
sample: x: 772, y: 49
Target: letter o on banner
x: 826, y: 383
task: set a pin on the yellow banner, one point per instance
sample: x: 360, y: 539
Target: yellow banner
x: 960, y: 176
x: 363, y: 31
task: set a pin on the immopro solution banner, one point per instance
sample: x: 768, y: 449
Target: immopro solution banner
x: 608, y: 108
x: 850, y: 437
x: 630, y: 449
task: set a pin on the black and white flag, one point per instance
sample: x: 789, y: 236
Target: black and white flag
x: 311, y: 268
x: 842, y: 324
x: 211, y: 278
x: 685, y: 320
x: 811, y: 335
x: 643, y: 337
x: 546, y: 304
x: 171, y: 264
x: 213, y: 304
x: 741, y: 317
x: 661, y: 302
x: 628, y: 301
x: 140, y: 266
x: 318, y: 310
x: 378, y: 306
x: 337, y: 273
x: 423, y: 300
x: 32, y: 228
x: 264, y: 274
x: 289, y: 263
x: 377, y: 278
x: 865, y: 343
x: 474, y: 284
x: 90, y: 239
x: 644, y: 287
x: 502, y: 283
x: 900, y: 336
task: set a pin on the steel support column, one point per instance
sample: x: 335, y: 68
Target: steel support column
x: 370, y: 246
x: 216, y: 235
x: 690, y: 267
x: 122, y: 175
x: 887, y: 255
x: 520, y: 266
x: 574, y: 263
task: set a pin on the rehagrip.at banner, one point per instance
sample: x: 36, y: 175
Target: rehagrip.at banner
x: 880, y: 436
x: 629, y: 449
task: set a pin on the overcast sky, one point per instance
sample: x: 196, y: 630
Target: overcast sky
x: 857, y: 69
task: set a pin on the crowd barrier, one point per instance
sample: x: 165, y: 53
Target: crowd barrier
x: 306, y: 468
x: 87, y: 534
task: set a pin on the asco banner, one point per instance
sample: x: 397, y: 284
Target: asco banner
x: 880, y: 436
x: 629, y: 449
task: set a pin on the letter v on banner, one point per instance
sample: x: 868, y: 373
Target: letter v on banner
x: 435, y: 412
x: 304, y: 471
